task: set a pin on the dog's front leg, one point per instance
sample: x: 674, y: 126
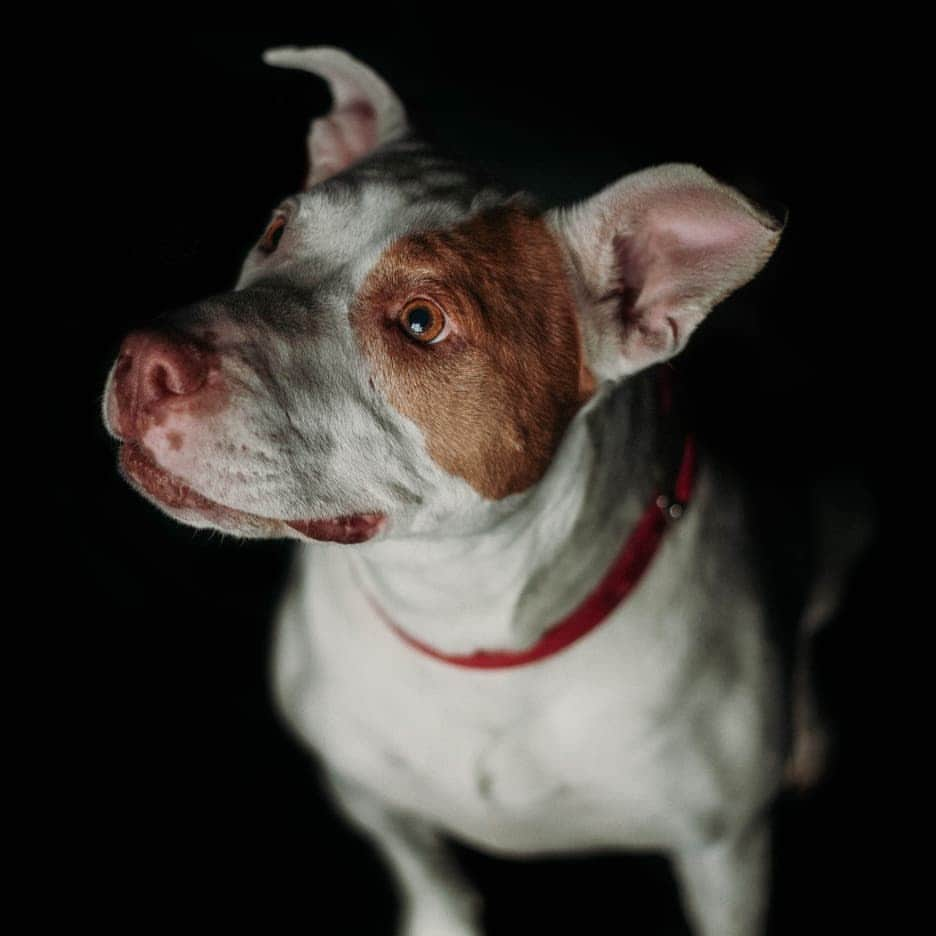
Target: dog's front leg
x: 724, y: 881
x: 436, y: 900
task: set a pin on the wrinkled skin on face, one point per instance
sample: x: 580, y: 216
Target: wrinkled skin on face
x: 318, y: 404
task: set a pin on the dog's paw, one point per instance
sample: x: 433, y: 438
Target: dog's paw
x: 437, y: 928
x: 439, y: 921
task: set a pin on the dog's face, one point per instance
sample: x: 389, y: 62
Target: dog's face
x: 406, y: 346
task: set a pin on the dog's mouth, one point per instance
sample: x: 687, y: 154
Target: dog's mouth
x: 180, y: 499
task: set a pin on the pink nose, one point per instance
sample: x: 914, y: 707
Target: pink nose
x: 155, y: 372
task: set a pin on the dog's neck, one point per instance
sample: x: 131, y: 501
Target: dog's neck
x: 501, y: 589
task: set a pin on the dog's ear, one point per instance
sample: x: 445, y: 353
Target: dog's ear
x: 365, y: 113
x: 651, y: 255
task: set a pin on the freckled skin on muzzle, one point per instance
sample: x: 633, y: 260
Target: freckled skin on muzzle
x: 280, y: 409
x: 223, y: 426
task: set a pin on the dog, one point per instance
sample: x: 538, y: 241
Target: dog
x: 527, y: 611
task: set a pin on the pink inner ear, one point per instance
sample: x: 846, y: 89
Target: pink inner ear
x: 340, y: 139
x: 365, y: 112
x: 686, y: 249
x: 706, y: 229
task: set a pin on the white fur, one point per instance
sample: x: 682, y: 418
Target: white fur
x: 659, y: 730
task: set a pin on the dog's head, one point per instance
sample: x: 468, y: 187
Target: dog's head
x: 407, y: 345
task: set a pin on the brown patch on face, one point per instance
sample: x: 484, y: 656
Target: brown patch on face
x: 493, y: 398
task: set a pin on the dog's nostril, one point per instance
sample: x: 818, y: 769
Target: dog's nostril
x: 154, y: 367
x: 164, y: 381
x: 168, y: 367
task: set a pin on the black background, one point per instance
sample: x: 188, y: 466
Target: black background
x: 182, y: 799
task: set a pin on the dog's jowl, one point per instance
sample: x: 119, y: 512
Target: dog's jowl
x: 528, y: 614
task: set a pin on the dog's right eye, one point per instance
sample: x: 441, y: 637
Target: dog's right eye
x: 273, y: 234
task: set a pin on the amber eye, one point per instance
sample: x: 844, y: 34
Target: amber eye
x: 423, y: 321
x: 272, y: 235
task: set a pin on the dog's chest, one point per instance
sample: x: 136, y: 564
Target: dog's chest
x: 570, y: 753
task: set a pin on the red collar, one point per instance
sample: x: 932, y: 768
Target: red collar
x: 620, y: 580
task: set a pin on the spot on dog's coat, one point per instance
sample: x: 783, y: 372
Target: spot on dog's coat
x: 494, y: 398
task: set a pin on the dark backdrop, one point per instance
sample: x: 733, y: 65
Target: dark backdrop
x: 184, y: 799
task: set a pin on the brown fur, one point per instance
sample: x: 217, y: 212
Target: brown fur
x: 493, y: 398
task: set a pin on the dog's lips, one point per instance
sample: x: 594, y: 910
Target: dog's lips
x: 356, y: 528
x: 172, y: 492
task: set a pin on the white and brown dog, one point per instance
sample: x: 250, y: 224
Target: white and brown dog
x: 550, y: 633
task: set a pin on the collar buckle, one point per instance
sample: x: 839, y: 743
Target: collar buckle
x: 672, y: 509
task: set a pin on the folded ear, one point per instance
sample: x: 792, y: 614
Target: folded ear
x: 652, y: 254
x: 365, y: 113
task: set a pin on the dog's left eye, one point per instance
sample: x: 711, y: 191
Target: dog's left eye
x: 423, y: 321
x: 273, y: 234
